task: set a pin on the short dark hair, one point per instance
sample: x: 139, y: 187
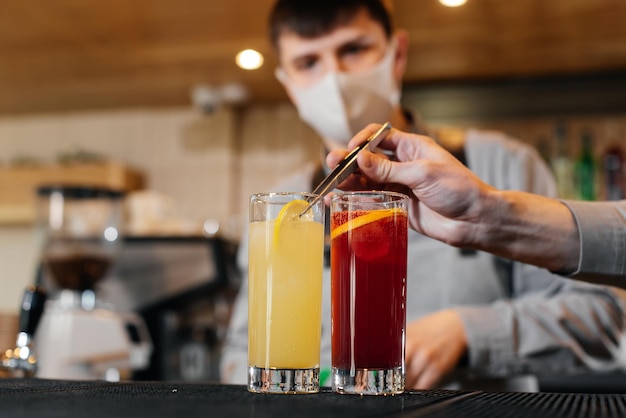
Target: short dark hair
x: 312, y: 18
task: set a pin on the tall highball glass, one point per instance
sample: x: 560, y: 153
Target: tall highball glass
x: 286, y: 258
x: 368, y: 287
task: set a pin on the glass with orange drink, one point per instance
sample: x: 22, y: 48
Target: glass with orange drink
x: 286, y: 258
x: 368, y: 282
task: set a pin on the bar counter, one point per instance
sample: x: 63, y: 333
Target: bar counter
x: 40, y: 398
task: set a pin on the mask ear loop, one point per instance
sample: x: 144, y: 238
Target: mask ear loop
x: 280, y: 75
x: 391, y: 56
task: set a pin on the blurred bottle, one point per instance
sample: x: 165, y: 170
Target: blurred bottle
x: 613, y: 163
x: 613, y: 168
x: 562, y: 164
x: 585, y: 168
x: 543, y: 147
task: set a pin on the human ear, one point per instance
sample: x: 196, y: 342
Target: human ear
x: 401, y: 38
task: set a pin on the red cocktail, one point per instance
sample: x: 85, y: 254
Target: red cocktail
x: 368, y: 271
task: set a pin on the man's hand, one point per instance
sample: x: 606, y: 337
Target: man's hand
x: 434, y: 345
x: 451, y: 204
x: 447, y: 199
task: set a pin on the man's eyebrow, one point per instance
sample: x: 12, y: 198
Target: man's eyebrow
x: 359, y: 39
x: 355, y: 42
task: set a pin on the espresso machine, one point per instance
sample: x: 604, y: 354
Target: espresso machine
x: 20, y: 361
x: 78, y: 337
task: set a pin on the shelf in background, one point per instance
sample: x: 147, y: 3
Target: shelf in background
x: 18, y: 185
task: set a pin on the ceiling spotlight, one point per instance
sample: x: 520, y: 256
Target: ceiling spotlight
x: 453, y: 3
x: 249, y: 59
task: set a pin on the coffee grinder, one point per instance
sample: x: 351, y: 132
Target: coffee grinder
x: 78, y: 337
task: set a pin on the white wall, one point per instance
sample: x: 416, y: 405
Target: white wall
x: 210, y: 164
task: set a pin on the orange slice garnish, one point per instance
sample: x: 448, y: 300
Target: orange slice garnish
x: 291, y: 212
x: 367, y: 218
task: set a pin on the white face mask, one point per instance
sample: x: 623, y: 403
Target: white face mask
x: 341, y: 104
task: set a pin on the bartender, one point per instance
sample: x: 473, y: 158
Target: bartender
x: 468, y: 313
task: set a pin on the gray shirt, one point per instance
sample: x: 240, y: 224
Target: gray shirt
x: 518, y: 319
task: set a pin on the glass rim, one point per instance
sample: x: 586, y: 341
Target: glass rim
x: 396, y: 196
x: 268, y: 195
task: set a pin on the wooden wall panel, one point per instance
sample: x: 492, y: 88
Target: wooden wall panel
x: 70, y: 54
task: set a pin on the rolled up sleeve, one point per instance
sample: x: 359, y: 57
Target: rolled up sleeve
x: 602, y: 232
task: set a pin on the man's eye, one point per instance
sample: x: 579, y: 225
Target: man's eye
x: 304, y: 64
x: 354, y: 49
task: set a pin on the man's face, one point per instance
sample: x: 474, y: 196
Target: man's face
x: 355, y: 46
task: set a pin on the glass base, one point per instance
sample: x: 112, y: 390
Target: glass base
x: 368, y: 381
x: 283, y: 380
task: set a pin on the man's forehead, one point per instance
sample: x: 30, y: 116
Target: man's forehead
x: 292, y: 45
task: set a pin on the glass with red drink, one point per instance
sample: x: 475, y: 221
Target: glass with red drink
x: 368, y: 282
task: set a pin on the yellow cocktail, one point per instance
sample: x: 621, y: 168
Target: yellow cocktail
x: 284, y: 294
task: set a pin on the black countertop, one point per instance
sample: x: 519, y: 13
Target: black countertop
x: 53, y: 398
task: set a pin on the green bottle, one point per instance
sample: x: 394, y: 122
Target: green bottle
x: 585, y: 168
x: 562, y: 164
